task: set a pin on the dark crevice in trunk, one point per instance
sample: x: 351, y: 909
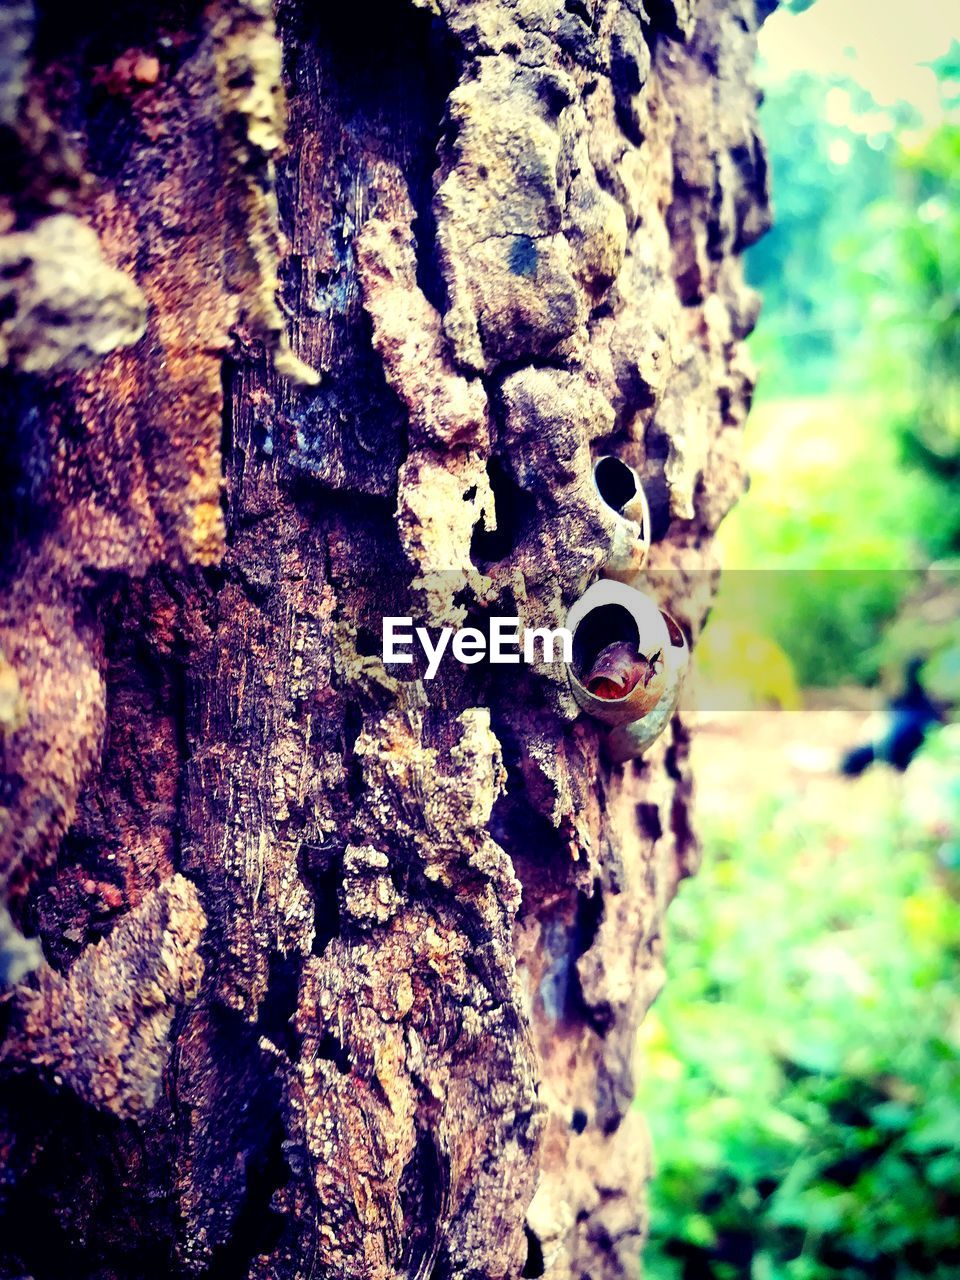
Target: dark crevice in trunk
x: 259, y: 1227
x: 534, y: 1265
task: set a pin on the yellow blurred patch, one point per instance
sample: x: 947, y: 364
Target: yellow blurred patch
x: 741, y: 669
x: 924, y: 917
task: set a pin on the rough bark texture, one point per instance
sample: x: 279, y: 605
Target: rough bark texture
x: 343, y: 968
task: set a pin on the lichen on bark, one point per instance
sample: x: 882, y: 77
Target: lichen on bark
x: 372, y: 950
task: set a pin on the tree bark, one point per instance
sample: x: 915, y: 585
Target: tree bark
x: 309, y: 317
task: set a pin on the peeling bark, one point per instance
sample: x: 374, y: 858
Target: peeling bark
x: 342, y: 968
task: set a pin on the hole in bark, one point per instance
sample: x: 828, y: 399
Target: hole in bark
x: 440, y: 63
x: 333, y: 1051
x: 589, y: 916
x: 326, y: 916
x: 671, y: 765
x: 586, y: 926
x: 400, y: 876
x: 11, y: 784
x: 320, y: 867
x: 658, y: 500
x: 648, y: 816
x: 536, y: 844
x: 352, y: 726
x: 441, y: 1268
x: 627, y: 79
x: 578, y: 1121
x: 354, y: 779
x: 685, y: 840
x: 369, y: 645
x: 661, y: 18
x: 422, y: 1194
x: 534, y: 1265
x: 512, y: 507
x: 259, y: 1227
x: 280, y: 1004
x: 616, y: 482
x: 606, y: 625
x: 579, y: 10
x: 227, y: 380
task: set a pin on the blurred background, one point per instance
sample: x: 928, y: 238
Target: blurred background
x: 801, y: 1072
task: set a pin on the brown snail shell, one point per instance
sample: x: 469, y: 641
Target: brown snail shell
x: 609, y: 614
x: 629, y: 741
x: 621, y: 489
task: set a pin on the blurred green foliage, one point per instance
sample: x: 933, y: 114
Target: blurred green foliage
x: 802, y: 1069
x: 831, y: 156
x: 929, y: 627
x: 832, y: 541
x: 854, y: 445
x: 919, y: 330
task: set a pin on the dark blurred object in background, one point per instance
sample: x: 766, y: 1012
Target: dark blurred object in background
x: 897, y: 733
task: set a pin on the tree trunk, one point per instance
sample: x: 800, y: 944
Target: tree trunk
x: 311, y: 317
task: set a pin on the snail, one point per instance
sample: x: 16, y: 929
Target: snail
x: 627, y: 666
x: 629, y: 741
